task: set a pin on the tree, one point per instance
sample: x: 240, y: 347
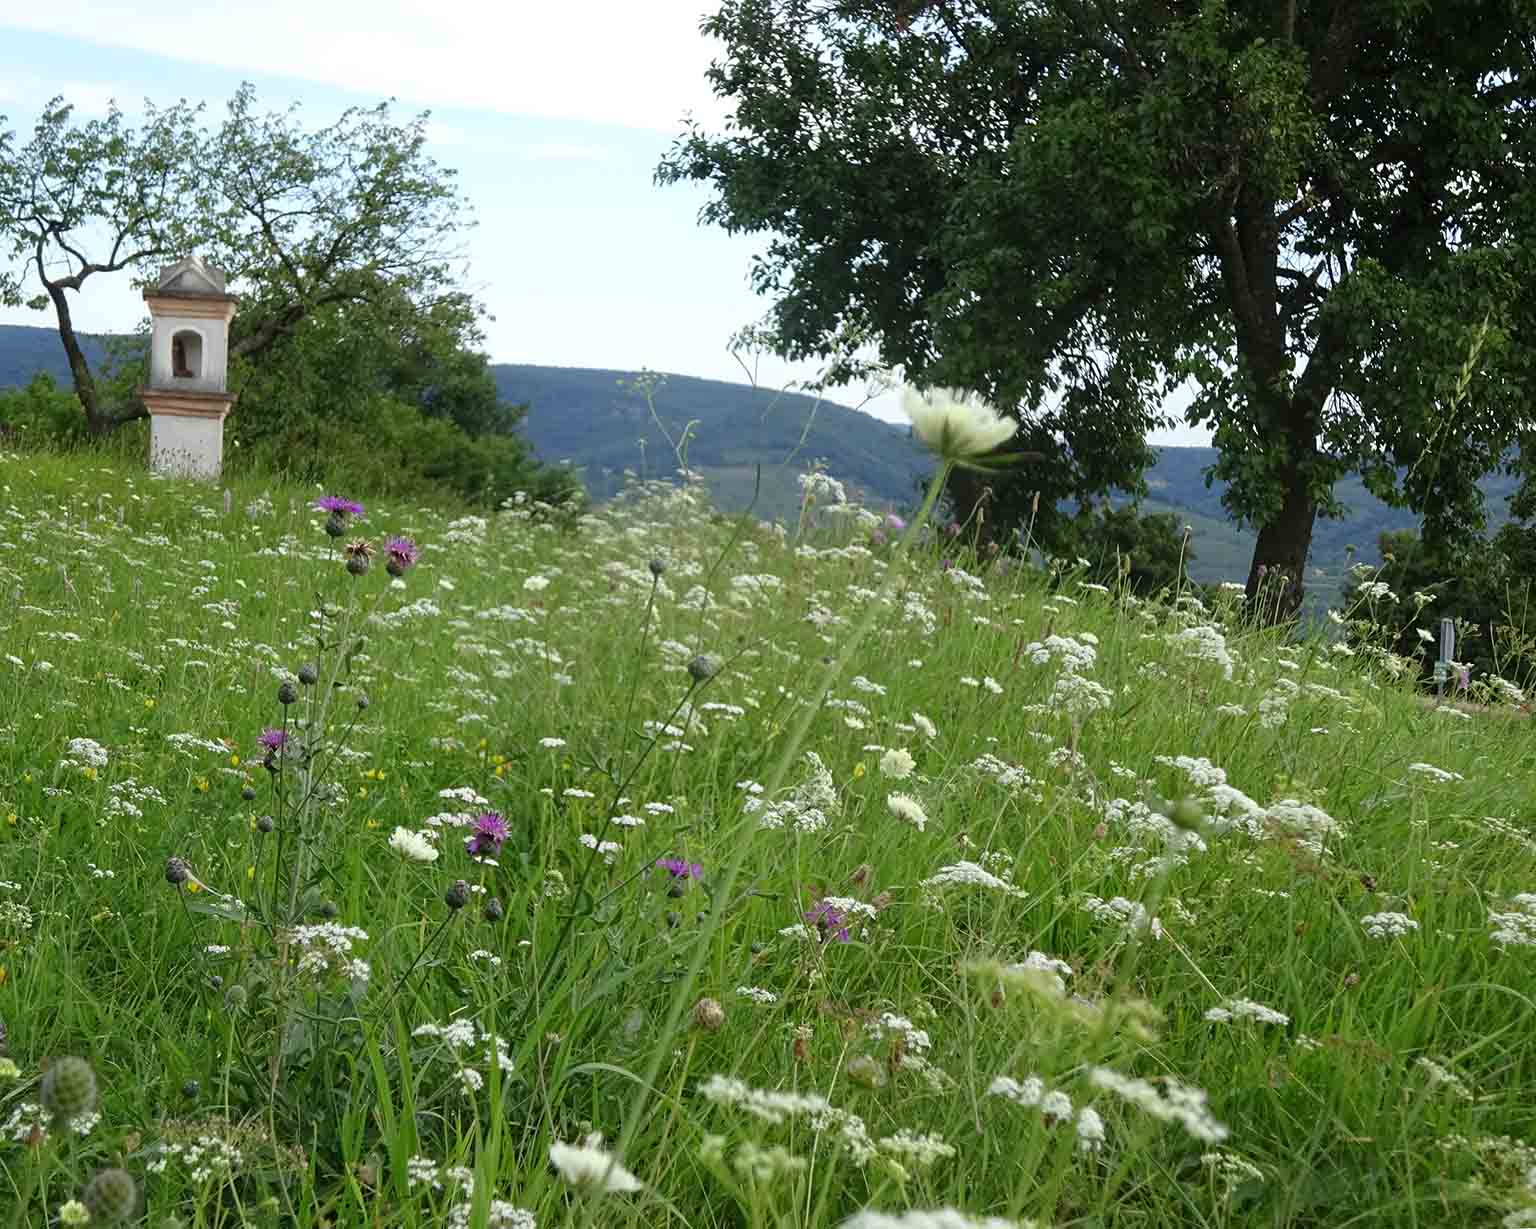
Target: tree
x: 300, y: 220
x: 82, y: 200
x: 1312, y: 213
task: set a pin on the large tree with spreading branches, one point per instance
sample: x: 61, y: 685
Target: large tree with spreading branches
x: 1316, y: 219
x: 354, y: 214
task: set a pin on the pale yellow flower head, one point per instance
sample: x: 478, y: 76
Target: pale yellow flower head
x: 958, y: 426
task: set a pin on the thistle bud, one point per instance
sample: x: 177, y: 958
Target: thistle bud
x: 703, y: 667
x: 335, y: 525
x: 708, y: 1015
x: 287, y: 693
x: 357, y: 565
x: 177, y: 872
x: 864, y: 1070
x: 309, y: 674
x: 493, y: 910
x: 111, y: 1196
x: 69, y: 1089
x: 457, y: 896
x: 657, y: 566
x: 264, y: 824
x: 248, y: 792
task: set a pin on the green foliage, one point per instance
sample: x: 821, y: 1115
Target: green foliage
x: 1147, y: 552
x: 40, y: 411
x: 1141, y: 857
x: 1312, y: 213
x: 302, y: 220
x: 1485, y: 586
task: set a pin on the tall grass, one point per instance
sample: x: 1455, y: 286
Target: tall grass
x: 838, y: 885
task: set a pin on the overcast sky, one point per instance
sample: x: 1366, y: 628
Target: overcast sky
x: 554, y: 114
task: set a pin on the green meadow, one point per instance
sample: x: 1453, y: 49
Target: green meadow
x: 641, y: 866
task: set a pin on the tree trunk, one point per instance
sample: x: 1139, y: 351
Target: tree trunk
x: 1277, y: 575
x: 97, y: 423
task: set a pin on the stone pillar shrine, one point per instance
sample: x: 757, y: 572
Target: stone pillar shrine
x: 188, y: 360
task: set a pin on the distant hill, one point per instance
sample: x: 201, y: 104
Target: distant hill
x: 590, y: 417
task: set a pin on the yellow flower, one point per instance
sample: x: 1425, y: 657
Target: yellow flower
x: 362, y: 791
x: 149, y: 702
x: 202, y: 785
x: 234, y: 761
x: 858, y: 771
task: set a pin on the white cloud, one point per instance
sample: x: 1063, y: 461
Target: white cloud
x: 635, y: 64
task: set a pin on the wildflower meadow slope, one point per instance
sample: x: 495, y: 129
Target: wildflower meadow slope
x: 367, y: 866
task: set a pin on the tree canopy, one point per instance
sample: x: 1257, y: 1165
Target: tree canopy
x: 300, y: 219
x: 1311, y: 214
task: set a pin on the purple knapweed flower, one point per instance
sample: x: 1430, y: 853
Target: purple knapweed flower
x: 399, y: 554
x: 272, y: 739
x: 829, y: 921
x: 677, y: 868
x: 892, y: 521
x: 487, y: 835
x: 337, y: 506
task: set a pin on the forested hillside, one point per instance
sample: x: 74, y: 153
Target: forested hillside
x: 600, y: 420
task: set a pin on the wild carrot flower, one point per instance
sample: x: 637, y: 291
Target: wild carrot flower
x: 588, y: 1164
x: 486, y: 838
x: 957, y: 426
x: 413, y: 846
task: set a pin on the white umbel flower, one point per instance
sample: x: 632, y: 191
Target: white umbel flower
x: 954, y: 424
x: 413, y: 846
x: 897, y: 764
x: 907, y: 809
x: 589, y: 1164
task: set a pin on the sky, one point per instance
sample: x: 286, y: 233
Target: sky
x: 554, y: 115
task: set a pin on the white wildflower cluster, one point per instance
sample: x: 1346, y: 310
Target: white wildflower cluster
x: 1075, y: 654
x: 1129, y: 915
x: 1441, y: 1077
x: 591, y: 1166
x: 766, y: 1104
x: 1009, y: 776
x: 807, y: 806
x: 1198, y: 769
x: 29, y: 1121
x: 763, y: 998
x: 1079, y: 697
x: 1055, y: 1106
x: 414, y: 846
x: 204, y: 1158
x: 465, y: 1043
x: 1515, y: 926
x: 919, y: 1151
x: 1168, y: 1101
x: 85, y: 753
x: 907, y: 809
x: 1230, y: 1170
x: 930, y: 1218
x: 499, y: 1214
x: 1310, y: 826
x: 969, y: 874
x: 326, y: 947
x: 897, y: 764
x: 1235, y: 1011
x: 913, y: 1040
x: 1203, y: 642
x: 752, y: 1161
x: 1438, y: 775
x: 1388, y: 925
x: 1275, y: 706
